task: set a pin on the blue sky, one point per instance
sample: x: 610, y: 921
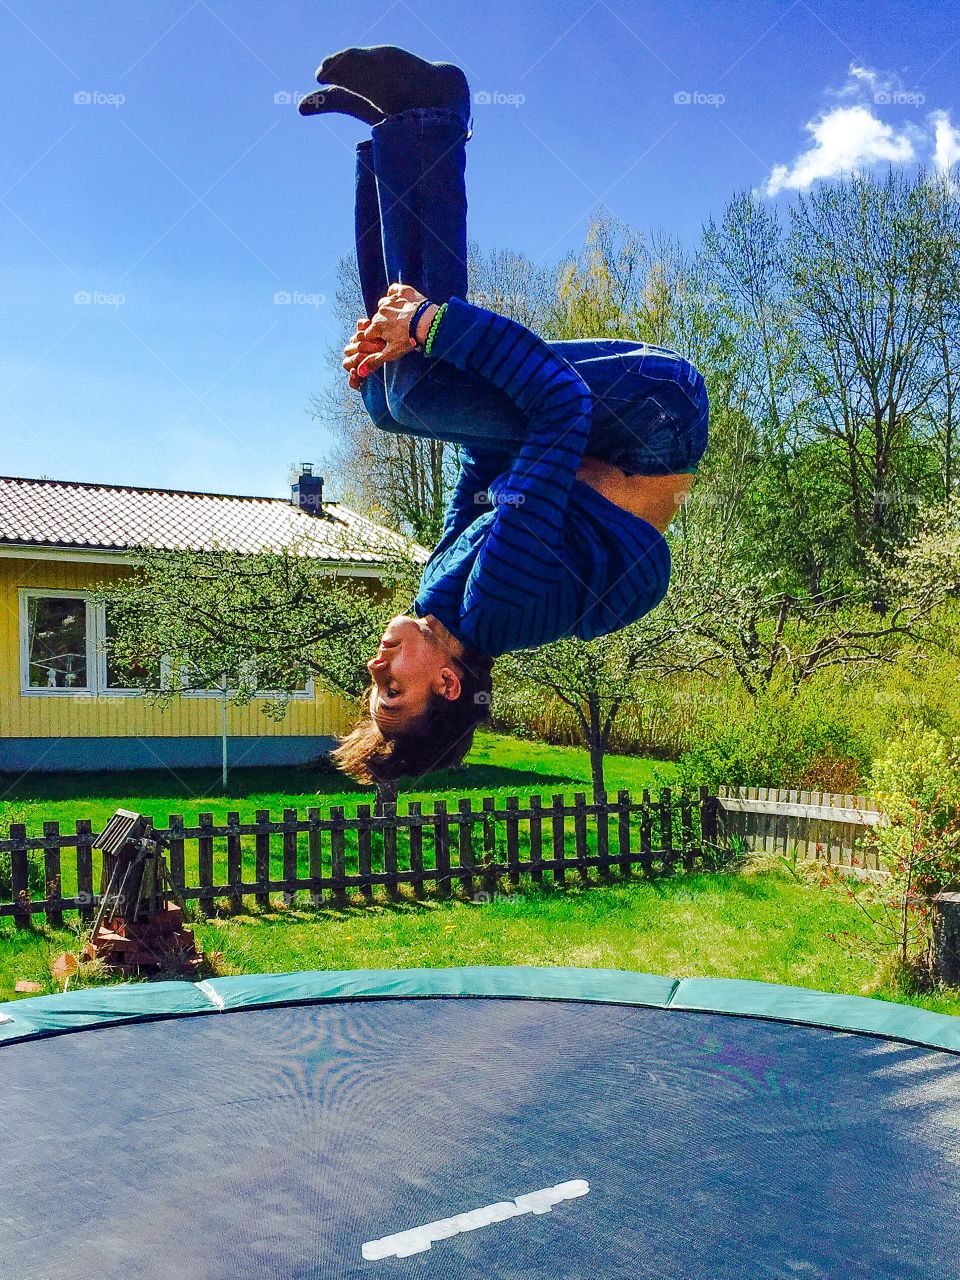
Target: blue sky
x: 154, y: 163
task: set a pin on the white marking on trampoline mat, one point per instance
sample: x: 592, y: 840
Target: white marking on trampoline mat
x: 419, y: 1239
x: 211, y: 993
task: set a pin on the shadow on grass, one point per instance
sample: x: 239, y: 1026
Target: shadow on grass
x: 291, y: 780
x: 405, y: 904
x: 492, y: 777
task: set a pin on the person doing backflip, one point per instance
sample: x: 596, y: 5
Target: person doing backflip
x: 574, y: 456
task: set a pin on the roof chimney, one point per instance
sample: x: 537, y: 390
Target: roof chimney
x: 307, y: 491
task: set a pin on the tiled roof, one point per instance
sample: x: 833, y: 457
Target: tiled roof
x: 103, y: 517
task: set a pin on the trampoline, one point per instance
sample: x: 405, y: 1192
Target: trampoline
x: 567, y: 1124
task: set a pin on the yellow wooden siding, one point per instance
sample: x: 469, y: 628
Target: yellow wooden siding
x: 119, y: 716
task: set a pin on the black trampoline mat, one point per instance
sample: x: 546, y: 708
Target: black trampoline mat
x: 276, y: 1142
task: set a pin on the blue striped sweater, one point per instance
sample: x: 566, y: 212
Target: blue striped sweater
x: 529, y: 554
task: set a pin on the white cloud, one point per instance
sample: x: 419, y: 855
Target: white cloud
x: 843, y: 139
x: 946, y: 151
x: 861, y: 76
x: 854, y: 136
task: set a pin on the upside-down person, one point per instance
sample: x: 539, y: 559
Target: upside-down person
x: 574, y: 456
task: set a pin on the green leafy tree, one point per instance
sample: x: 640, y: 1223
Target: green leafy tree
x: 598, y: 678
x: 267, y: 621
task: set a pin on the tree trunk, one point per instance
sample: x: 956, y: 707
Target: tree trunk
x: 386, y: 794
x: 597, y: 747
x: 945, y: 922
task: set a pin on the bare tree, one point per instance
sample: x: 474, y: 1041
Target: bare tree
x: 869, y: 268
x: 941, y: 413
x: 740, y: 620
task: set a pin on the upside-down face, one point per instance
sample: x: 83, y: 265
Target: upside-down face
x: 410, y: 664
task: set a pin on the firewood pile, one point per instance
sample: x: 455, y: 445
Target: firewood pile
x: 140, y: 919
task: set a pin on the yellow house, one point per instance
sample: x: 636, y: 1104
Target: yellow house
x: 61, y: 706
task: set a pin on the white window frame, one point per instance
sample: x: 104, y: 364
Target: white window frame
x: 75, y: 691
x: 96, y: 686
x: 296, y: 695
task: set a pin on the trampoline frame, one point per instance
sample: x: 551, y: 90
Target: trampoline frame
x: 39, y: 1016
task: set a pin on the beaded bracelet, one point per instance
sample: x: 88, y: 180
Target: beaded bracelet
x: 434, y: 326
x: 415, y: 320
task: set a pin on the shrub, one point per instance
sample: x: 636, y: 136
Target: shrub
x: 916, y: 780
x: 36, y: 874
x: 801, y: 742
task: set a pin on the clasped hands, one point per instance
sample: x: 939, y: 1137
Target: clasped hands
x: 384, y: 337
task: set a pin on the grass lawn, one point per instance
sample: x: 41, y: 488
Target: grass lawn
x: 766, y: 927
x: 497, y: 765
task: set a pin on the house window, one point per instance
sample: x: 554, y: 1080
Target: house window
x: 63, y: 646
x: 117, y: 677
x: 57, y: 643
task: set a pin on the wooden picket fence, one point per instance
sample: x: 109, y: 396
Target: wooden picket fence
x: 321, y: 857
x: 476, y: 852
x: 811, y: 824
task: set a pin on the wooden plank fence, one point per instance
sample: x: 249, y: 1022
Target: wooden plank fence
x: 320, y: 858
x: 813, y: 824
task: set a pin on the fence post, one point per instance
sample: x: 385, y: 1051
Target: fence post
x: 465, y: 844
x: 315, y: 857
x: 205, y: 862
x: 513, y: 840
x: 338, y: 869
x: 623, y: 832
x: 84, y: 869
x: 364, y: 862
x: 441, y: 844
x: 234, y: 862
x: 52, y: 881
x: 414, y: 811
x: 19, y: 875
x: 559, y: 833
x: 945, y: 928
x: 646, y: 834
x: 603, y: 835
x: 175, y: 829
x: 686, y: 831
x: 666, y: 831
x: 290, y: 841
x: 536, y: 839
x: 390, y: 847
x: 708, y: 827
x: 262, y: 858
x: 580, y: 835
x: 489, y: 847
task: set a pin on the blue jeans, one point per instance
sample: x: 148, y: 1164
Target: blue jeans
x: 650, y: 410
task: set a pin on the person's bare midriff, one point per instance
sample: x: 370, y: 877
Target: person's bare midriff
x: 652, y: 498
